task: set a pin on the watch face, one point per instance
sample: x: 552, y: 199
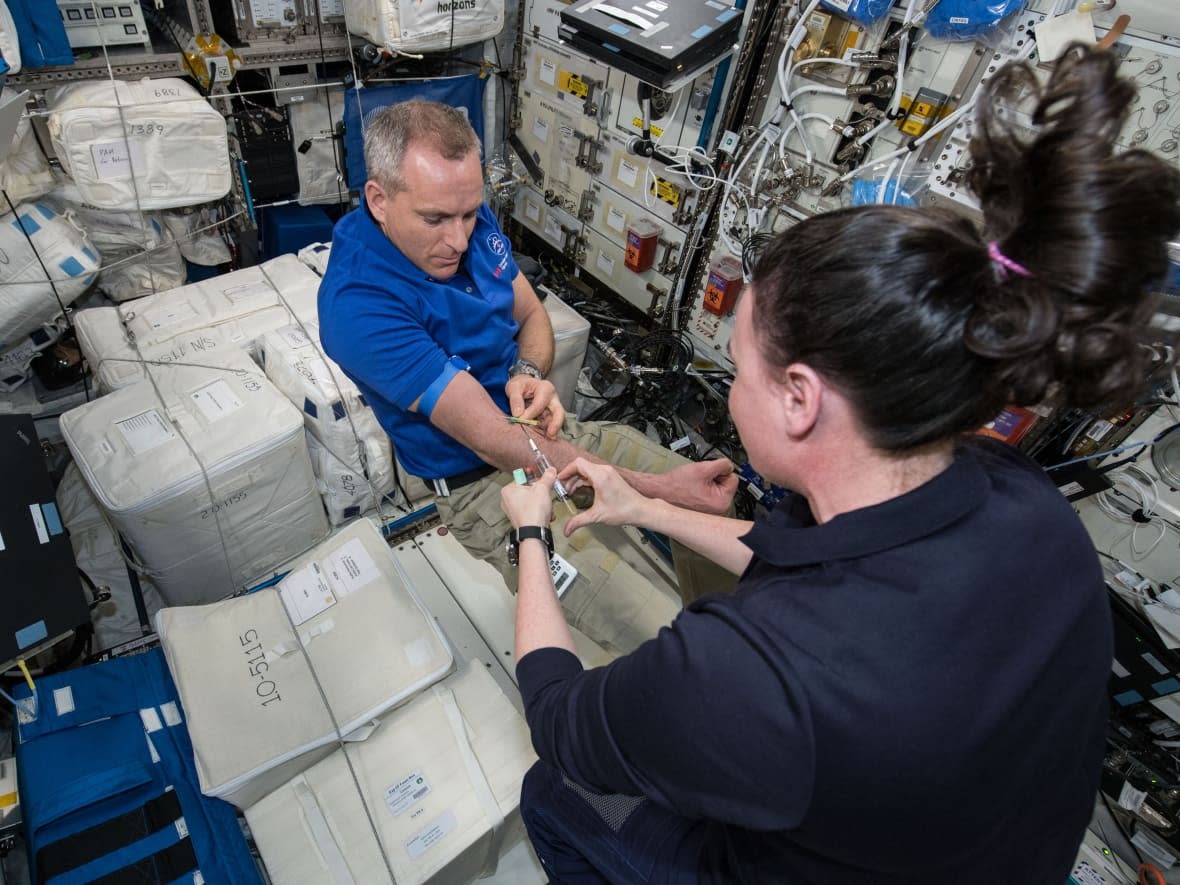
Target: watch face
x: 525, y: 367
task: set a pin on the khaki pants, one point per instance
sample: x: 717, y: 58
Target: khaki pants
x: 609, y: 601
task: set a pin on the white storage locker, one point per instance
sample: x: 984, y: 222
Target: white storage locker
x: 441, y: 778
x: 188, y: 323
x: 205, y: 472
x: 255, y: 710
x: 150, y: 144
x: 409, y: 26
x: 348, y: 441
x: 60, y: 248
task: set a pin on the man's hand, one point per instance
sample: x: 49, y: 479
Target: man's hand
x: 530, y: 397
x: 529, y: 504
x: 708, y: 486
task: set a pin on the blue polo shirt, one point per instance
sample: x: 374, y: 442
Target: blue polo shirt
x: 402, y: 335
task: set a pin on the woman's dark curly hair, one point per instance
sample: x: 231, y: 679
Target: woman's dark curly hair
x: 905, y: 311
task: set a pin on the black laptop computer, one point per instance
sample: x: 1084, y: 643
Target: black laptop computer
x: 659, y: 41
x: 43, y: 596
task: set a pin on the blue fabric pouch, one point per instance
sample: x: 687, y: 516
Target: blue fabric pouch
x: 109, y: 787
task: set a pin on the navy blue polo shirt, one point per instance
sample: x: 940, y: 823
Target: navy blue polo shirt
x: 402, y: 335
x: 913, y: 692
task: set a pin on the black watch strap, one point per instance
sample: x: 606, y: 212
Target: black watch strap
x: 541, y: 533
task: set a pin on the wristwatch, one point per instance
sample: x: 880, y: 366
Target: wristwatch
x: 515, y: 536
x: 526, y: 367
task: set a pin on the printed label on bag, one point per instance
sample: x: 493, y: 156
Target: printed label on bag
x: 216, y: 400
x: 145, y: 431
x: 406, y: 793
x: 305, y: 593
x: 431, y: 835
x: 351, y: 567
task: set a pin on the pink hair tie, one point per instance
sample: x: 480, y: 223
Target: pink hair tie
x: 1005, y: 263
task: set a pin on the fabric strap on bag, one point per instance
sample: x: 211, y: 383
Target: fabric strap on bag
x: 160, y: 868
x: 101, y: 839
x: 479, y: 782
x: 321, y: 833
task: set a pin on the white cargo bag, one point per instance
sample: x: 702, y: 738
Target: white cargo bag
x: 209, y: 480
x: 351, y: 453
x: 115, y: 362
x: 252, y: 300
x: 441, y: 778
x: 9, y: 43
x: 315, y: 256
x: 25, y: 173
x: 188, y: 323
x: 571, y: 334
x: 139, y: 254
x: 151, y: 144
x: 197, y: 236
x: 314, y: 123
x: 97, y: 552
x: 59, y: 247
x: 412, y: 26
x: 256, y: 713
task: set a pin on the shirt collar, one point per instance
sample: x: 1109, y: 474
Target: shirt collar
x: 790, y: 538
x: 374, y: 238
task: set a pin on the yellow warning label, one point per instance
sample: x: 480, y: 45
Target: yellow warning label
x: 656, y: 131
x: 665, y: 191
x: 572, y: 84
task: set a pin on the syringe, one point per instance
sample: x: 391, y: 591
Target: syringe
x: 543, y: 465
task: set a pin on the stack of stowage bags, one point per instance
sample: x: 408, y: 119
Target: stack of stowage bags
x: 204, y: 470
x: 350, y: 453
x: 187, y: 324
x: 290, y: 694
x: 439, y: 788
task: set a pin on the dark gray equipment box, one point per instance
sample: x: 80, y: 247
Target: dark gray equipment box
x: 662, y: 42
x: 43, y: 595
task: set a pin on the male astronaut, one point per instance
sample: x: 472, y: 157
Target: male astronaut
x: 424, y: 308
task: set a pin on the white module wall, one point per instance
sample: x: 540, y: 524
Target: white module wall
x: 578, y: 119
x: 784, y: 170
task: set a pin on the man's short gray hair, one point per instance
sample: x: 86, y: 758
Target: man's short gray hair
x: 392, y: 129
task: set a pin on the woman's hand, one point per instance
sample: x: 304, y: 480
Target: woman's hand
x: 530, y: 504
x: 615, y: 502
